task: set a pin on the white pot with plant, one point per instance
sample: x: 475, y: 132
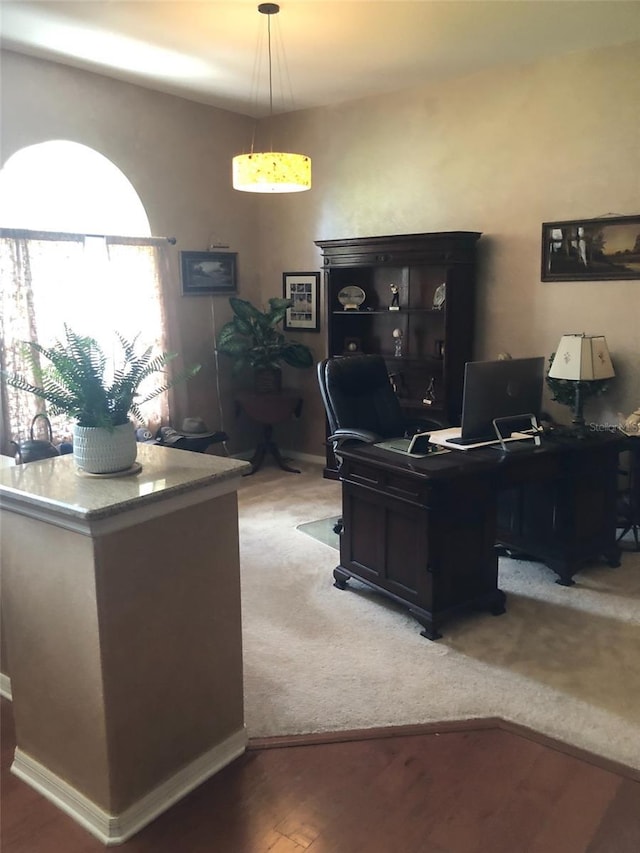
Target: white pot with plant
x: 75, y: 384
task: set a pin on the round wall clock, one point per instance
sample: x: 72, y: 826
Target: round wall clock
x: 351, y: 297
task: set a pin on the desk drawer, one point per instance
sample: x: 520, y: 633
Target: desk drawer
x: 362, y: 474
x: 395, y: 485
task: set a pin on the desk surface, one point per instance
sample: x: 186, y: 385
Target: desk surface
x: 444, y: 466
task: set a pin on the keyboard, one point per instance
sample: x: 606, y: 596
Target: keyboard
x: 481, y: 439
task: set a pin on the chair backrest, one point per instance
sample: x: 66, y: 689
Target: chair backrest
x: 357, y: 394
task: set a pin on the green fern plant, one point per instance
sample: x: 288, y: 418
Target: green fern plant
x: 74, y: 382
x: 252, y: 337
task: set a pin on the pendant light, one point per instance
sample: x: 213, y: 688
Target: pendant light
x: 271, y: 171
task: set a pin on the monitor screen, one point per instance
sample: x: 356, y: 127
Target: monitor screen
x: 500, y: 389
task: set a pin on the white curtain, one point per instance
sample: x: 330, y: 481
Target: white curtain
x: 97, y: 286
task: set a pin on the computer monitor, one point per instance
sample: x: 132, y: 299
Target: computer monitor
x: 500, y: 389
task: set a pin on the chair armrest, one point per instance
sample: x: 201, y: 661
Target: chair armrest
x: 340, y: 436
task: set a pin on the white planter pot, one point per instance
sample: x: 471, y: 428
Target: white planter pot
x: 99, y: 451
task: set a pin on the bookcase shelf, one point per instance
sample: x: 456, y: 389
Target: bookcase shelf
x: 436, y: 341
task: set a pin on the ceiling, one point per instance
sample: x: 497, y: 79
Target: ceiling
x: 323, y: 52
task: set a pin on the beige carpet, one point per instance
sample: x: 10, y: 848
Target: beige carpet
x: 563, y: 661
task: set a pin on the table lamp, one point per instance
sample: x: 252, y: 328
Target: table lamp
x: 581, y: 359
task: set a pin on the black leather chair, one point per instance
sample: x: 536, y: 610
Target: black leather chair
x: 361, y: 404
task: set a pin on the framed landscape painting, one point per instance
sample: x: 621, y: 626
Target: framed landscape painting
x: 208, y: 272
x: 586, y: 249
x: 303, y: 288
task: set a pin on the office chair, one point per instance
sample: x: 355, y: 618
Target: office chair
x: 361, y: 405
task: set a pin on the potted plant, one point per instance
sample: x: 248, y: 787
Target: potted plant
x: 252, y: 338
x: 74, y: 384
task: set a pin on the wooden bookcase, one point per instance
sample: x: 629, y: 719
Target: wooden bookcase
x: 436, y: 341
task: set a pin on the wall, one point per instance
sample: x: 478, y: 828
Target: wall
x: 498, y: 152
x: 177, y: 154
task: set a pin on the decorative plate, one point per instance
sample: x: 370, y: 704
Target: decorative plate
x: 351, y: 297
x: 439, y: 296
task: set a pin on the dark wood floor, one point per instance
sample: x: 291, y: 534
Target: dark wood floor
x: 467, y: 791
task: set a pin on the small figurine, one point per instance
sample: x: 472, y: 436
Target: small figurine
x: 397, y: 343
x: 395, y: 298
x: 430, y: 394
x: 397, y: 383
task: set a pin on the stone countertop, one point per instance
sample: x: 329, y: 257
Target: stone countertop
x: 54, y: 485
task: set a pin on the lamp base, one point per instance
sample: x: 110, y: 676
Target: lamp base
x: 579, y: 431
x: 577, y: 423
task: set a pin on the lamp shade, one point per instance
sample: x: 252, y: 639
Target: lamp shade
x: 582, y: 358
x: 271, y: 172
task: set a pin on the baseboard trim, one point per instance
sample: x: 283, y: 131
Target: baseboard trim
x: 5, y: 687
x: 287, y: 454
x: 304, y: 457
x: 113, y: 829
x: 346, y: 735
x: 471, y: 724
x: 578, y: 752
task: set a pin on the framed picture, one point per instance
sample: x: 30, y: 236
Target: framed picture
x: 303, y: 288
x: 208, y: 272
x: 591, y: 249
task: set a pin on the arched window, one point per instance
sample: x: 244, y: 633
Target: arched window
x: 75, y: 248
x: 67, y: 187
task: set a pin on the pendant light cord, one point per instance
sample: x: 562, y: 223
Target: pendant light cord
x: 270, y: 67
x: 270, y: 9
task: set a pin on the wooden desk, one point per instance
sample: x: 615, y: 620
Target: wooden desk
x: 560, y: 506
x: 424, y: 531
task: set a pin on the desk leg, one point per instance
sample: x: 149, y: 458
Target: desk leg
x: 612, y: 554
x: 268, y: 445
x: 429, y: 626
x: 566, y: 569
x: 428, y: 622
x: 340, y: 578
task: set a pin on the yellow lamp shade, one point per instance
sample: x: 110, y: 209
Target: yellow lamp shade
x: 271, y: 172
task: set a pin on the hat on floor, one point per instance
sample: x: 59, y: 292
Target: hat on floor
x: 195, y: 428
